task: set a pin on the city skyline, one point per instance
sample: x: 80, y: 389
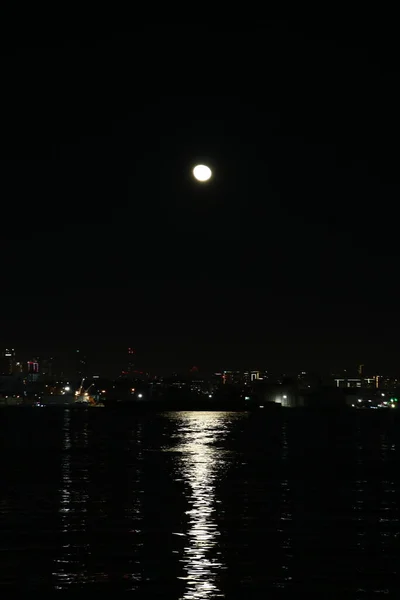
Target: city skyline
x: 78, y: 364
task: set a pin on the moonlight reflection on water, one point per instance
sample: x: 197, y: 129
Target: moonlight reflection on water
x: 201, y: 463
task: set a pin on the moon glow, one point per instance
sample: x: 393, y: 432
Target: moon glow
x: 202, y: 173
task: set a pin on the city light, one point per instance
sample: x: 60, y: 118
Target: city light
x: 31, y: 378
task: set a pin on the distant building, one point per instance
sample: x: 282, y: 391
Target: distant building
x: 33, y: 370
x: 131, y: 361
x: 250, y: 376
x: 306, y: 380
x: 357, y: 382
x: 11, y: 384
x: 237, y: 378
x: 46, y: 368
x: 199, y: 385
x: 8, y: 361
x: 232, y: 377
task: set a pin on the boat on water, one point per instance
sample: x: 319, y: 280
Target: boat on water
x: 80, y: 399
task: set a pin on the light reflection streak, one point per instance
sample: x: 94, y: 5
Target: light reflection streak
x: 71, y: 564
x: 360, y: 492
x: 134, y: 511
x: 376, y: 514
x: 201, y: 464
x: 286, y: 518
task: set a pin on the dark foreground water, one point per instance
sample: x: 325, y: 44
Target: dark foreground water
x: 200, y: 504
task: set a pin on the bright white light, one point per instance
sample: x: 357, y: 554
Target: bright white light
x: 210, y: 395
x: 285, y: 397
x: 67, y: 388
x: 202, y: 173
x: 140, y: 395
x: 202, y: 464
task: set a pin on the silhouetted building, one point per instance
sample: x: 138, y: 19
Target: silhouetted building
x: 8, y: 361
x: 11, y: 384
x: 250, y: 376
x: 131, y: 361
x: 46, y: 368
x: 357, y: 382
x: 232, y: 377
x: 33, y: 370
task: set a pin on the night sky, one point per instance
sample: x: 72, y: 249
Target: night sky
x: 287, y: 259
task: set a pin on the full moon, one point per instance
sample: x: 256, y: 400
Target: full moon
x: 202, y: 173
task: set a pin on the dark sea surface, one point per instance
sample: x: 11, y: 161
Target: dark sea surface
x: 200, y: 504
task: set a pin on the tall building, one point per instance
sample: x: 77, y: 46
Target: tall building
x: 33, y: 369
x: 228, y: 378
x: 131, y: 361
x: 46, y: 367
x: 250, y: 376
x: 8, y: 366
